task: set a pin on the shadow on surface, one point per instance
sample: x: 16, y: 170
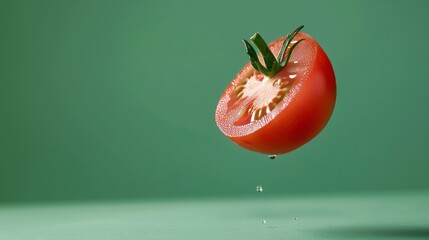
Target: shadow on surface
x: 376, y: 231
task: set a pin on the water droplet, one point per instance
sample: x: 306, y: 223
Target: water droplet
x: 272, y: 157
x: 263, y: 221
x: 259, y: 188
x: 292, y: 76
x: 296, y: 219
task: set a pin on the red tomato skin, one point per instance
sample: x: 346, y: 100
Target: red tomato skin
x: 304, y: 118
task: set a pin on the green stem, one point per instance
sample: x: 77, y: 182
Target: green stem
x: 269, y: 59
x: 272, y: 65
x: 287, y: 41
x: 254, y: 58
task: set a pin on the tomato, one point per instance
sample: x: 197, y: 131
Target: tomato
x: 279, y: 113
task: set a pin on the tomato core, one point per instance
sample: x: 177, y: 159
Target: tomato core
x: 256, y: 97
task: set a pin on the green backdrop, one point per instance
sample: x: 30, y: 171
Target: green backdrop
x: 116, y: 99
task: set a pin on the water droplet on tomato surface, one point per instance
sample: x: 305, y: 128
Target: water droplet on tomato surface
x: 259, y: 188
x: 272, y: 157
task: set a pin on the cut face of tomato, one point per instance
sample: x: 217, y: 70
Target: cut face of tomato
x: 263, y: 113
x: 253, y: 99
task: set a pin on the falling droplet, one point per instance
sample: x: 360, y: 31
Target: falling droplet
x: 259, y: 188
x: 272, y: 157
x: 263, y: 221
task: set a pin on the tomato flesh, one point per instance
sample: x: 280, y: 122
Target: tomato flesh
x: 279, y: 114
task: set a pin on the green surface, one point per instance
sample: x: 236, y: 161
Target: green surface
x: 116, y: 99
x: 398, y: 215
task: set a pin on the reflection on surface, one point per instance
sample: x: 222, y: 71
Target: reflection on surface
x: 420, y: 232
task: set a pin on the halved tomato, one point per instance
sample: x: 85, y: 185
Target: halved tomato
x: 277, y: 114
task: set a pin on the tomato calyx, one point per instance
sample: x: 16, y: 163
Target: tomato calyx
x: 273, y: 65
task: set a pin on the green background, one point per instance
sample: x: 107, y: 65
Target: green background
x: 116, y: 99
